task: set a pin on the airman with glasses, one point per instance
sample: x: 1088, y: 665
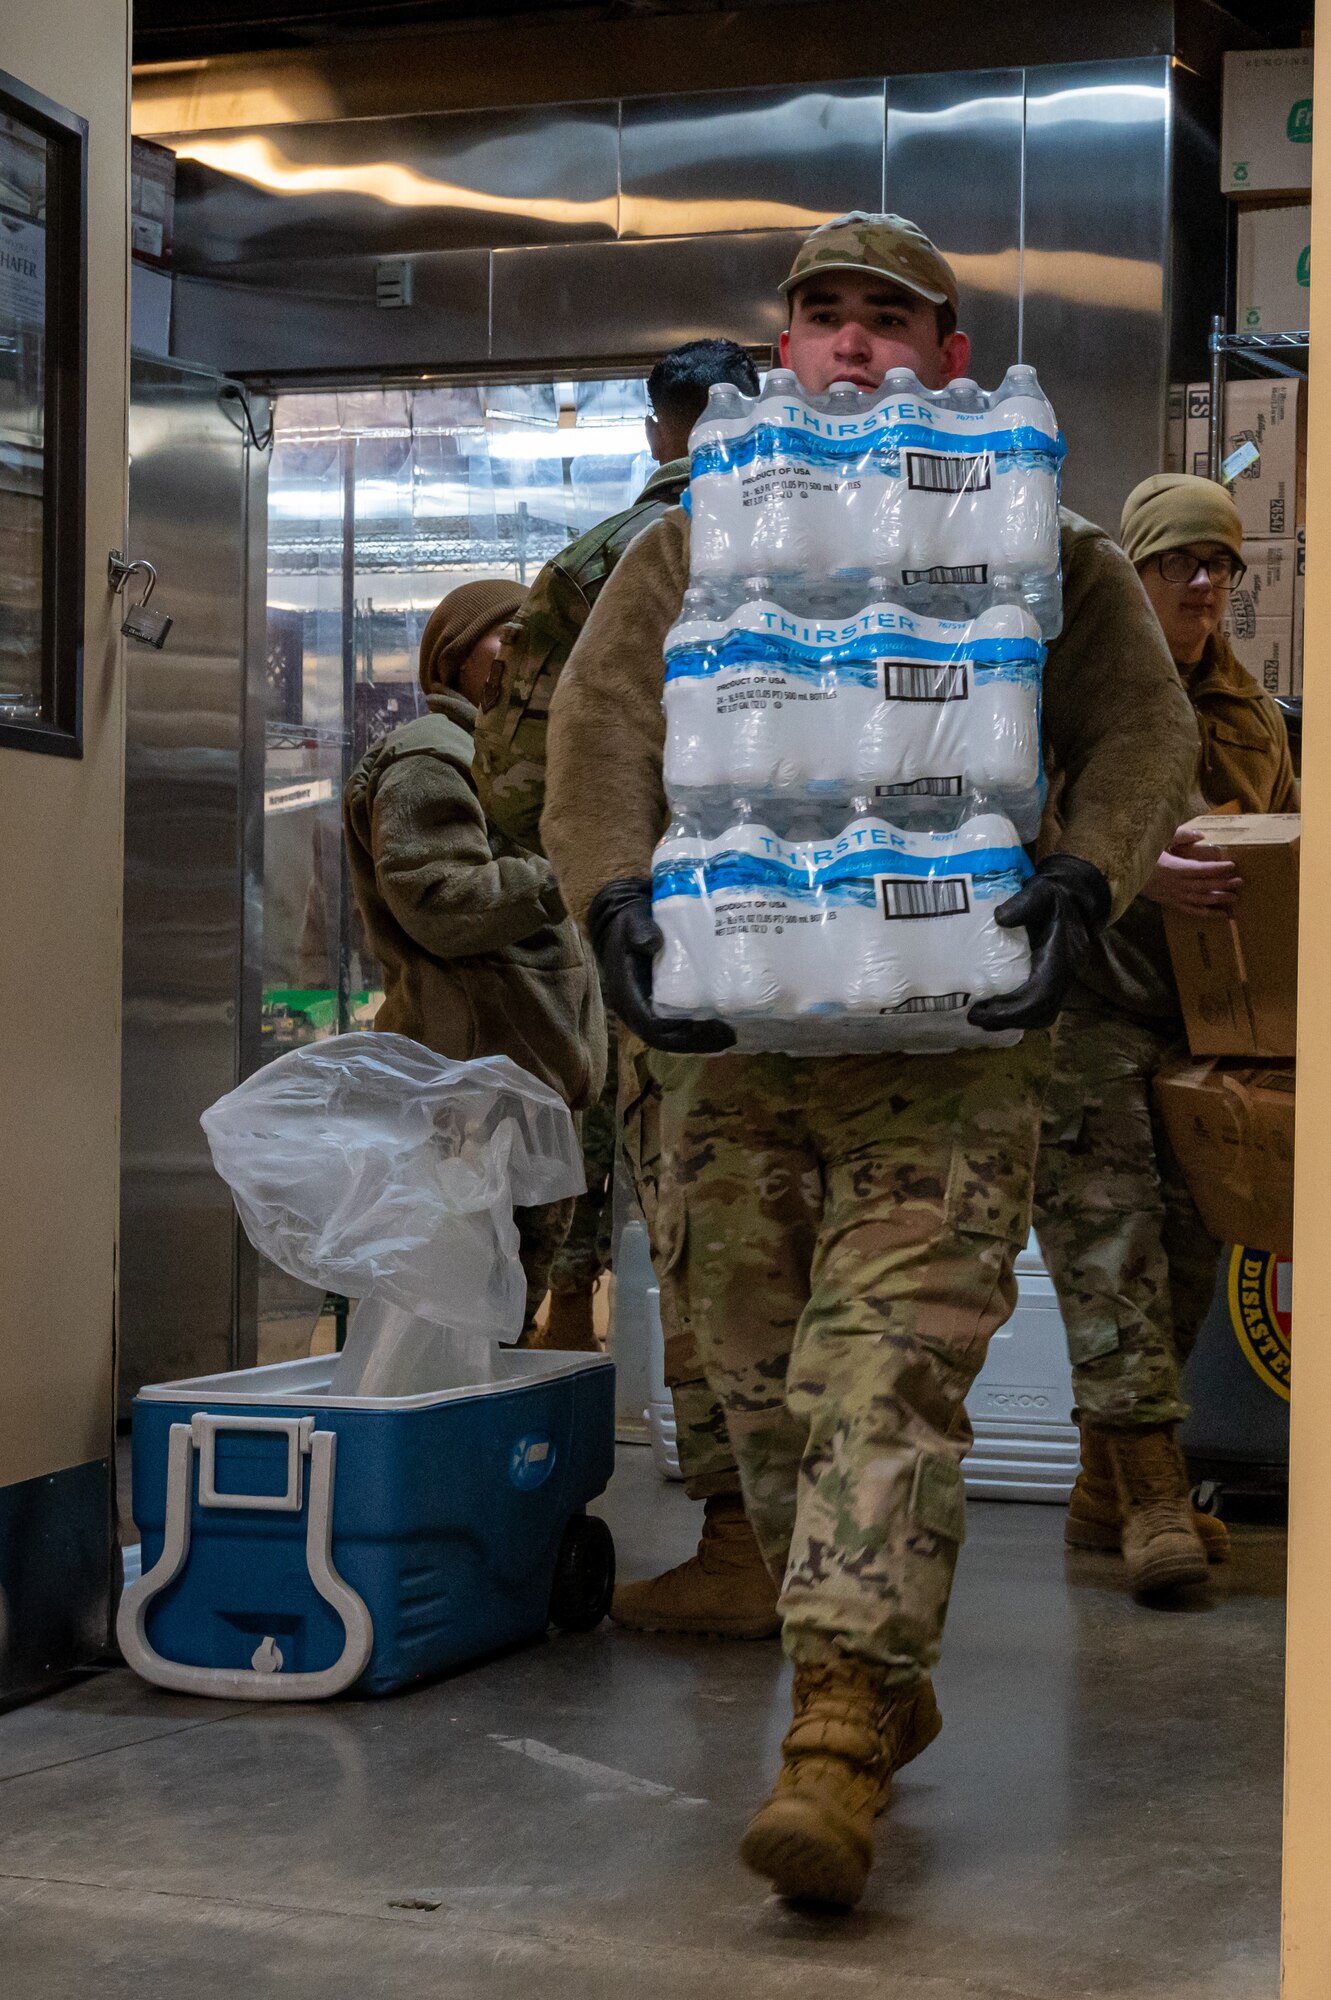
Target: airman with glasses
x: 1128, y: 1252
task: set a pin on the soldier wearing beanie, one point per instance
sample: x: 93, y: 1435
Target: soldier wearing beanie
x: 479, y: 955
x: 1126, y: 1248
x: 840, y: 1234
x: 463, y: 635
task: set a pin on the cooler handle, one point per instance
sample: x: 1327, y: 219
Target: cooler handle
x: 297, y: 1431
x: 248, y: 1683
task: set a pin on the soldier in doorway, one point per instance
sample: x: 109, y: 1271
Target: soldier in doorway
x: 725, y: 1589
x: 479, y: 956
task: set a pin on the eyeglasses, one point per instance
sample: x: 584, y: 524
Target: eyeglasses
x: 1181, y: 566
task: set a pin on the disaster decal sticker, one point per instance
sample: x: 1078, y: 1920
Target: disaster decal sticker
x: 1259, y: 1306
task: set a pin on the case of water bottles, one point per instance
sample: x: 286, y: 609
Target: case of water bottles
x: 852, y: 709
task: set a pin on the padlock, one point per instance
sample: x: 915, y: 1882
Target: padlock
x: 148, y: 627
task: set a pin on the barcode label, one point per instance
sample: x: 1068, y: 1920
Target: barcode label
x: 943, y: 573
x: 904, y: 896
x: 905, y: 681
x: 933, y: 1003
x: 921, y: 788
x: 948, y: 472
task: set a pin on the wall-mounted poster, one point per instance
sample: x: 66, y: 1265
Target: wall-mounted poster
x: 42, y: 371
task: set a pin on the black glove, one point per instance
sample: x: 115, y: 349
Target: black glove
x: 626, y: 940
x: 1063, y: 906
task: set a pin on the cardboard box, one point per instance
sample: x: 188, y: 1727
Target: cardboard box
x: 1266, y: 650
x: 1232, y: 1128
x: 152, y: 188
x: 1296, y: 638
x: 1196, y: 429
x: 1267, y: 591
x: 1273, y: 265
x: 1176, y: 403
x: 1237, y: 972
x: 1269, y: 493
x: 1267, y: 122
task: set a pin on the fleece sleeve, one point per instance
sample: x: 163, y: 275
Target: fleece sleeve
x: 1120, y: 735
x: 605, y: 806
x: 435, y: 870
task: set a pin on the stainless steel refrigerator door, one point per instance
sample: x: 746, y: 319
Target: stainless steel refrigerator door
x: 188, y: 854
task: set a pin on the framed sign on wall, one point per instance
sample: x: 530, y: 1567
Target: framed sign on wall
x: 43, y: 388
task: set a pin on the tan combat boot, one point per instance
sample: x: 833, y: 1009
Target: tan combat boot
x: 1161, y: 1548
x: 1094, y: 1521
x: 569, y: 1324
x: 724, y: 1592
x: 813, y: 1839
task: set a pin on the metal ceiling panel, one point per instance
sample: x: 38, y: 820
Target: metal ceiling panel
x: 634, y: 300
x: 749, y: 159
x: 953, y: 164
x: 1094, y: 260
x: 320, y: 318
x: 392, y: 187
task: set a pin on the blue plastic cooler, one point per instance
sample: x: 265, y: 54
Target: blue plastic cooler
x: 298, y: 1543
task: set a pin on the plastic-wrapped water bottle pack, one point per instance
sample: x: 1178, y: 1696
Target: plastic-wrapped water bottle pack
x: 927, y: 488
x: 852, y: 706
x: 763, y: 700
x: 878, y: 929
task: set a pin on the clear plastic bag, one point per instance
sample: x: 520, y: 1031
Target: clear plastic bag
x: 370, y: 1166
x: 393, y: 1352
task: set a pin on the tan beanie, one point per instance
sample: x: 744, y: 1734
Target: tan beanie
x: 1171, y: 509
x: 460, y: 621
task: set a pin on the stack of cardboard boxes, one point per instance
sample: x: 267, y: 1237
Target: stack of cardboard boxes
x: 1265, y: 620
x: 1266, y: 166
x: 1229, y: 1111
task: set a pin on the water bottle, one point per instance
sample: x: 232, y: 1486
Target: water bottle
x: 963, y: 394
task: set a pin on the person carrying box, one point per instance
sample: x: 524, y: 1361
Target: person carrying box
x: 1130, y: 1257
x: 479, y: 956
x: 841, y: 1233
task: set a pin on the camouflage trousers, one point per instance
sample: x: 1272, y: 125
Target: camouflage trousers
x: 586, y: 1249
x: 1131, y: 1261
x: 541, y: 1231
x: 701, y: 1434
x: 843, y: 1236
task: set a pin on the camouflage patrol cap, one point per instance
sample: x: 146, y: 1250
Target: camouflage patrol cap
x: 888, y: 245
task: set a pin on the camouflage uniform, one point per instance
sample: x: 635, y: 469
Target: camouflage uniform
x: 541, y: 1232
x: 510, y: 775
x: 511, y: 729
x: 585, y: 1253
x: 1129, y: 1254
x: 1131, y: 1261
x: 881, y: 1203
x: 702, y: 1439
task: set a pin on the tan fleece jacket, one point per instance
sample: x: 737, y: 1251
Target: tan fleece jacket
x: 479, y: 957
x: 1120, y: 740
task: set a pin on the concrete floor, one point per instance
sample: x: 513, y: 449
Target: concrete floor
x: 1100, y: 1819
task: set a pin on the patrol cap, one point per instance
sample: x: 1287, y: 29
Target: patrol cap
x: 887, y: 245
